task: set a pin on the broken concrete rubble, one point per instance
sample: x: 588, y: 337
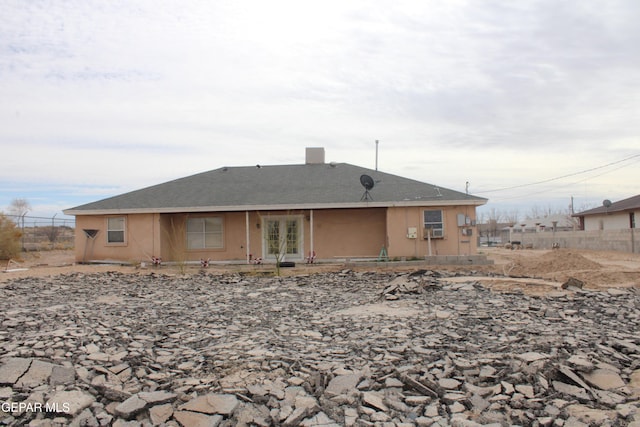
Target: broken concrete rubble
x: 348, y: 348
x: 573, y: 283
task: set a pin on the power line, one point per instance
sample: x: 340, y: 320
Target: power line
x: 566, y: 185
x: 559, y: 177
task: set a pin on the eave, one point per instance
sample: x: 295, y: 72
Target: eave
x: 284, y: 207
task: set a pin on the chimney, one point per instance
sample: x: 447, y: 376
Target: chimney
x: 314, y: 155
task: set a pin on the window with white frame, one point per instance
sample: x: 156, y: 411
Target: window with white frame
x: 433, y: 223
x: 115, y: 229
x: 204, y: 233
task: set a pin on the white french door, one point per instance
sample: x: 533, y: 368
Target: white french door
x: 282, y: 237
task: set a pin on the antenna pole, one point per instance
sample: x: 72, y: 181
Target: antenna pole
x: 376, y: 154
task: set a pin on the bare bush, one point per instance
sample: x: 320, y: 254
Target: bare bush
x: 9, y: 238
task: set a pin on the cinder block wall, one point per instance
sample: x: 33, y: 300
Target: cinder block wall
x: 627, y: 240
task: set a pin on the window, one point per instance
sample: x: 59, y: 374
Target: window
x: 433, y: 225
x: 115, y: 229
x: 204, y: 233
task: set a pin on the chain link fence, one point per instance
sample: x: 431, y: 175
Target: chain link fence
x: 45, y: 233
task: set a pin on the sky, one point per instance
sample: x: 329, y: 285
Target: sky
x: 527, y: 103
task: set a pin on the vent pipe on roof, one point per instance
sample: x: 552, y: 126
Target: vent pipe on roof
x: 314, y: 155
x: 376, y: 154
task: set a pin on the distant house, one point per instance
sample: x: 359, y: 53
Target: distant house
x: 620, y: 215
x: 238, y: 214
x: 554, y: 222
x: 549, y: 223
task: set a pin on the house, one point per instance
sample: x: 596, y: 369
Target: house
x: 238, y: 214
x: 549, y: 224
x: 620, y: 215
x: 553, y: 222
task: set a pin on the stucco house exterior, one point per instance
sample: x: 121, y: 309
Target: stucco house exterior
x: 238, y: 214
x: 620, y: 215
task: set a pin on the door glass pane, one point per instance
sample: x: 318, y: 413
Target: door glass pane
x: 292, y: 236
x: 273, y: 237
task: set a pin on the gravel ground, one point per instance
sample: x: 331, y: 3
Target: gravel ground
x: 334, y: 348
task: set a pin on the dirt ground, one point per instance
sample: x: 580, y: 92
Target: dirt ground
x: 539, y: 271
x: 531, y: 271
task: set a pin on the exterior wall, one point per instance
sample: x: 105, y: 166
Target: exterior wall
x: 142, y: 238
x: 599, y: 240
x: 400, y: 219
x: 337, y: 233
x: 613, y: 221
x: 348, y: 232
x: 173, y: 236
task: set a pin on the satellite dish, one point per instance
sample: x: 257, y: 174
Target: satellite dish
x: 606, y: 203
x: 368, y: 183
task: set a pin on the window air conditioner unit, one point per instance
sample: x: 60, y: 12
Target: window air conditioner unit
x: 436, y: 233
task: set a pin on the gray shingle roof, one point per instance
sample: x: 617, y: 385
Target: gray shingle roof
x: 277, y: 187
x: 632, y: 203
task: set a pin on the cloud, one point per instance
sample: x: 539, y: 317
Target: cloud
x: 126, y: 94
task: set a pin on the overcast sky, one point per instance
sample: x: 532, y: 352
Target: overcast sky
x: 102, y: 97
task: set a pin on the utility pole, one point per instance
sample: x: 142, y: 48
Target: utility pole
x: 571, y: 205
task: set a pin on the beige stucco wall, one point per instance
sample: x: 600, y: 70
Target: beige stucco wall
x: 349, y: 232
x: 612, y: 221
x: 142, y: 238
x: 400, y: 219
x: 337, y: 233
x: 234, y: 237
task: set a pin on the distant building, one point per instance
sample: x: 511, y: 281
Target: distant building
x: 550, y: 223
x: 620, y: 215
x: 557, y: 222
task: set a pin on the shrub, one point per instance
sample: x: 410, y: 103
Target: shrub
x: 9, y: 238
